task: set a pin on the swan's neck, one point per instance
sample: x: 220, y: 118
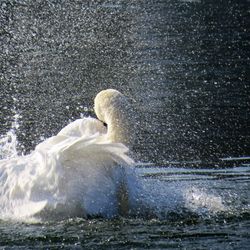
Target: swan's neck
x: 120, y: 128
x: 116, y: 111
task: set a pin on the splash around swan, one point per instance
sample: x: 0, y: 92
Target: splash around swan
x: 86, y: 170
x: 83, y: 171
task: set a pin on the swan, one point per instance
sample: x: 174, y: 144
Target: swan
x: 84, y: 170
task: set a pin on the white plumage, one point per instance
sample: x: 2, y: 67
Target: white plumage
x: 83, y: 170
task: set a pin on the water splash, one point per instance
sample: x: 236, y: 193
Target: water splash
x: 161, y: 191
x: 9, y: 142
x: 201, y: 201
x: 165, y: 198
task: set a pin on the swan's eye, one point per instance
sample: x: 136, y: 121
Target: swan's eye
x: 105, y: 124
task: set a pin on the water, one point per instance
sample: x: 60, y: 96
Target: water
x: 185, y: 63
x: 214, y: 215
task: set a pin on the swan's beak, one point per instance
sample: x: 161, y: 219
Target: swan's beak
x: 104, y: 123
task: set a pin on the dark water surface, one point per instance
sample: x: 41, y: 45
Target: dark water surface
x: 185, y: 63
x: 180, y: 228
x: 127, y: 234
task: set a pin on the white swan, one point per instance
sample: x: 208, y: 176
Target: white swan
x: 83, y: 170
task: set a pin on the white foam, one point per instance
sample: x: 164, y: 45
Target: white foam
x: 200, y: 201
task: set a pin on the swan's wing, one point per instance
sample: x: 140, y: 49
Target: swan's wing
x: 51, y: 142
x: 92, y: 149
x: 80, y: 130
x: 85, y: 151
x: 83, y: 128
x: 96, y: 171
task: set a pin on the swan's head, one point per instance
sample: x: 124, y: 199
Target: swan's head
x: 108, y: 102
x: 114, y: 109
